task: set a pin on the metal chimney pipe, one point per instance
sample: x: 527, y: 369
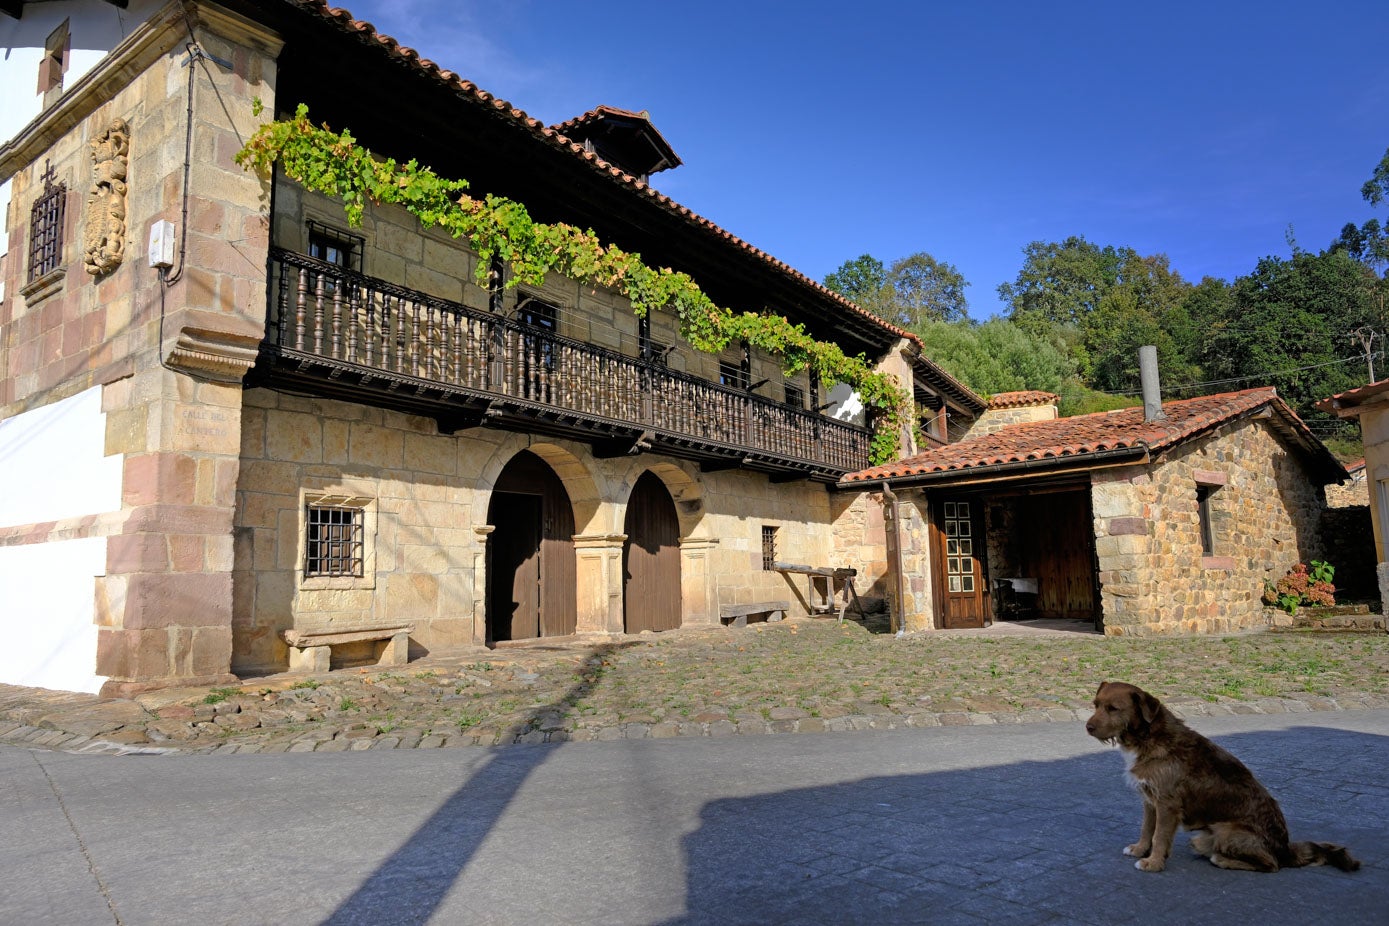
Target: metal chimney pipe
x: 1152, y: 388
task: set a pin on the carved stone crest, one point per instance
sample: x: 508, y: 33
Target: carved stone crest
x: 103, y: 239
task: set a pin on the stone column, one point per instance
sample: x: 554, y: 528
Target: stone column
x: 918, y: 608
x: 480, y: 560
x: 699, y: 603
x: 599, y: 582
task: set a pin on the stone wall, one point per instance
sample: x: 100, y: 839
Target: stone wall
x: 1264, y: 513
x: 427, y: 496
x: 1354, y: 491
x: 860, y: 542
x: 1002, y: 413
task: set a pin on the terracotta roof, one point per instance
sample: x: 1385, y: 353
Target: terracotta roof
x: 1022, y: 399
x: 1344, y: 404
x: 468, y: 90
x: 1084, y: 440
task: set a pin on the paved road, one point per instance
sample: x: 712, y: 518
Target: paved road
x: 999, y: 824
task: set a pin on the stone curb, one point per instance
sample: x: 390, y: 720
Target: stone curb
x: 325, y: 740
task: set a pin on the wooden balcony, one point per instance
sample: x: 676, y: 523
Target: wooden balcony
x: 343, y: 335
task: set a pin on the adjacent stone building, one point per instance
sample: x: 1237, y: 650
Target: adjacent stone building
x: 1143, y: 525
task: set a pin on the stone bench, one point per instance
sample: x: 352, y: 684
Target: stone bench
x: 311, y: 652
x: 736, y: 615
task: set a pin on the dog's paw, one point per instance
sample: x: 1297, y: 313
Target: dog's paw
x: 1137, y: 850
x: 1150, y: 864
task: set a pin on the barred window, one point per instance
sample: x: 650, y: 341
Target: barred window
x: 795, y: 396
x: 334, y: 543
x: 335, y: 247
x: 46, y: 227
x: 768, y: 547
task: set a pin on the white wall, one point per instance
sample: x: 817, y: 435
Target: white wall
x: 46, y: 618
x: 53, y: 463
x: 53, y: 466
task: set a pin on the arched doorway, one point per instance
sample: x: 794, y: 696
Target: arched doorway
x: 651, y: 558
x: 532, y: 575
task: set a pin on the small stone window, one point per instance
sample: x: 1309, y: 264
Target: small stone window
x: 1203, y: 507
x: 334, y: 542
x: 1208, y: 483
x: 768, y: 547
x: 795, y: 396
x: 46, y: 227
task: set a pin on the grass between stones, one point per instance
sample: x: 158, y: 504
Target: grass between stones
x: 819, y: 669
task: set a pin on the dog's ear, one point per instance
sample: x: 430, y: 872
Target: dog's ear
x: 1100, y: 689
x: 1146, y: 706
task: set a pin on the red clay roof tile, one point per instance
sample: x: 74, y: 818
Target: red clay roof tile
x: 1022, y: 399
x: 1075, y: 439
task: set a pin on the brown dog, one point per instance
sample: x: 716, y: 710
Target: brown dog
x: 1186, y: 780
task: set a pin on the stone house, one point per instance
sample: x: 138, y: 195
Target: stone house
x: 1143, y: 524
x: 240, y: 433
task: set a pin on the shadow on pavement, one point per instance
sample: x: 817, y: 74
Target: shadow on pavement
x: 411, y: 884
x: 1033, y: 842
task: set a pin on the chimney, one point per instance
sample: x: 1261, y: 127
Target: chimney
x: 1152, y: 389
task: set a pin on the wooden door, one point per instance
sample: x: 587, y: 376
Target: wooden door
x: 1059, y: 549
x: 533, y: 573
x: 961, y: 580
x: 651, y: 558
x: 514, y: 602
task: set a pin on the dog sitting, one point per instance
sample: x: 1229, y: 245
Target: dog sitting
x: 1186, y: 780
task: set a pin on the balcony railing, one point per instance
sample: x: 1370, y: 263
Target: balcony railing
x: 364, y: 337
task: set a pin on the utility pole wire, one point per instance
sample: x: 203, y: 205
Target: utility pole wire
x: 1366, y: 335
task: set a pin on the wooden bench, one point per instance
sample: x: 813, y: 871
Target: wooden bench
x: 311, y: 652
x: 736, y: 615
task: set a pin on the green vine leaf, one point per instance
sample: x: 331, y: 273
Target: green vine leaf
x: 334, y: 164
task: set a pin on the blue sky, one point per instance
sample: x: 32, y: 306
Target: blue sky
x: 820, y: 131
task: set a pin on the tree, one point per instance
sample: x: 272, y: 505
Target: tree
x: 996, y: 356
x: 1101, y: 304
x: 861, y: 280
x: 1369, y: 244
x: 1376, y: 189
x: 1289, y: 325
x: 915, y: 289
x: 925, y: 289
x: 1061, y: 282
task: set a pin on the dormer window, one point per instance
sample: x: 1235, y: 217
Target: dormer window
x: 625, y: 139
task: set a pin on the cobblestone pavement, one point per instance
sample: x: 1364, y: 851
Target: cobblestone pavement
x: 795, y: 676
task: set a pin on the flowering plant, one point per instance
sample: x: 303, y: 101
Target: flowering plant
x: 1301, y: 586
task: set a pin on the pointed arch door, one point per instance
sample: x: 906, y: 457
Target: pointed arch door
x: 651, y: 558
x: 532, y: 576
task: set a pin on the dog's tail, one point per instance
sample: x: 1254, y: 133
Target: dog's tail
x: 1321, y: 853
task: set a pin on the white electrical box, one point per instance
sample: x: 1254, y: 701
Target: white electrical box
x: 162, y: 244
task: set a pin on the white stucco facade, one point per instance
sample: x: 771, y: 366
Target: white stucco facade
x: 56, y: 476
